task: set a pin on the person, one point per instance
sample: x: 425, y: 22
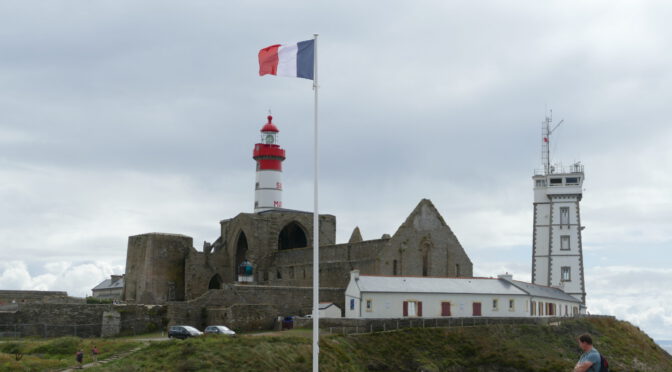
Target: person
x: 94, y: 353
x: 590, y: 359
x: 79, y: 356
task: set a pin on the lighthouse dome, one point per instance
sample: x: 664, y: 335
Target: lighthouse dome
x: 270, y: 127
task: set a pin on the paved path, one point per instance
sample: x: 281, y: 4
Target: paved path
x: 104, y: 361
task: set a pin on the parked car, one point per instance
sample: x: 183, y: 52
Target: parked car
x: 219, y: 329
x: 183, y: 331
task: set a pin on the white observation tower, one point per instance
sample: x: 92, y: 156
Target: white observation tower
x: 557, y: 254
x: 269, y: 156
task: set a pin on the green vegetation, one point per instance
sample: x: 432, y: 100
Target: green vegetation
x: 508, y: 348
x: 57, y: 353
x: 97, y: 301
x: 485, y: 348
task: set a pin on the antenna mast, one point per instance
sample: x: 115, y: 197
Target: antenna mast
x: 546, y: 132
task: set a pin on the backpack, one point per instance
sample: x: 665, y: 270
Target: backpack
x: 604, y: 364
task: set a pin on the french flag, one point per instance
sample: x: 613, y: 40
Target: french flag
x: 293, y: 60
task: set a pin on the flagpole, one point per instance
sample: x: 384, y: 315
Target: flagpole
x: 316, y: 235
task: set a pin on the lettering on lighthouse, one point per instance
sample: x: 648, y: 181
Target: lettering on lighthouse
x: 269, y: 157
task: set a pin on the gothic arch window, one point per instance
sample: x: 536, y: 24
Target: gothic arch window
x: 292, y: 236
x: 425, y: 249
x: 241, y: 252
x: 215, y: 282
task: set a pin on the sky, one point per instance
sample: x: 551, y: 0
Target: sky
x: 121, y: 117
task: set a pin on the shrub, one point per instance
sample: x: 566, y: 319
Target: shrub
x: 58, y: 346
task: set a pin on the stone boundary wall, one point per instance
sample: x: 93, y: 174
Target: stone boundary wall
x: 82, y: 320
x: 10, y: 296
x: 359, y: 325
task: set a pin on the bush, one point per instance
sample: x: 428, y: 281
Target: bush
x: 58, y: 346
x: 95, y: 300
x: 11, y: 347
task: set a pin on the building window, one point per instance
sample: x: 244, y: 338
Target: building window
x: 394, y: 268
x: 278, y: 274
x: 512, y: 305
x: 556, y: 182
x: 352, y: 304
x: 369, y: 305
x: 564, y: 242
x: 533, y: 308
x: 412, y: 308
x: 445, y: 308
x: 572, y: 180
x: 540, y: 183
x: 564, y: 216
x: 495, y: 304
x: 457, y: 269
x: 540, y: 307
x: 565, y: 274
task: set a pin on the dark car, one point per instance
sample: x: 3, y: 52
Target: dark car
x: 219, y: 329
x: 183, y: 331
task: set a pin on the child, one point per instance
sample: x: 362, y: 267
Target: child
x: 94, y: 353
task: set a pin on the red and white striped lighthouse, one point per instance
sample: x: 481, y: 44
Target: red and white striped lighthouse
x: 269, y: 156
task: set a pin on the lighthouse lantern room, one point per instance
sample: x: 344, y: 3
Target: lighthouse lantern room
x: 269, y: 157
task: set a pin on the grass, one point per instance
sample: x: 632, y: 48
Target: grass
x: 485, y: 348
x: 58, y: 353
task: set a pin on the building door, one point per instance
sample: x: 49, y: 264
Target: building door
x: 476, y: 309
x: 445, y: 309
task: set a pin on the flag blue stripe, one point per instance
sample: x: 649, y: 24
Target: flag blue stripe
x: 305, y: 59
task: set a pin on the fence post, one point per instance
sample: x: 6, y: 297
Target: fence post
x: 397, y: 324
x: 75, y: 328
x: 384, y: 327
x: 423, y: 322
x: 356, y: 329
x: 371, y: 328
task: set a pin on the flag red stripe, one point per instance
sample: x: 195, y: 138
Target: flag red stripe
x: 268, y: 60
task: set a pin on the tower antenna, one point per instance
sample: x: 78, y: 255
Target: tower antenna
x: 546, y: 132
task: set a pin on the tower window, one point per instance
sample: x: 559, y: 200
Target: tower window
x: 564, y: 242
x: 540, y: 183
x: 572, y: 180
x: 556, y: 181
x: 565, y: 274
x: 564, y: 216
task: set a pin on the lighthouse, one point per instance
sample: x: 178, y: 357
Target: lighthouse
x: 557, y: 252
x: 269, y: 157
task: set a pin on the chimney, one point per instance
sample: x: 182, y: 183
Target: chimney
x: 354, y: 275
x: 116, y: 278
x: 506, y: 276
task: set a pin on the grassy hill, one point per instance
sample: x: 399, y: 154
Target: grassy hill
x: 484, y: 348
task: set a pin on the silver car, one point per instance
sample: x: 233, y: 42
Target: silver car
x: 219, y: 329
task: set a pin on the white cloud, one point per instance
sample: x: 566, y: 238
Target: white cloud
x: 639, y: 295
x: 77, y: 279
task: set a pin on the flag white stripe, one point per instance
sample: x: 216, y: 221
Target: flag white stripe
x: 287, y: 60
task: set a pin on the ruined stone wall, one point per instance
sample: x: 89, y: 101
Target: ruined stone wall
x: 9, y: 296
x: 82, y: 320
x: 273, y: 301
x: 424, y: 245
x: 155, y: 270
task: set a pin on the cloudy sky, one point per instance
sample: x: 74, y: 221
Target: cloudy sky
x: 123, y: 117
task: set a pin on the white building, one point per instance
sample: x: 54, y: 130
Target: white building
x: 557, y: 253
x: 329, y: 310
x: 369, y: 296
x: 109, y: 288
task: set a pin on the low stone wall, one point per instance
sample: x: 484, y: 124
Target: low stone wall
x: 45, y: 297
x: 264, y: 304
x: 83, y: 320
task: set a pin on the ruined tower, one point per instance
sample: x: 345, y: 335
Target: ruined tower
x: 557, y: 254
x: 269, y: 157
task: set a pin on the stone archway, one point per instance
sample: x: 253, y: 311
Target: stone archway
x: 292, y: 236
x: 215, y: 282
x: 241, y: 253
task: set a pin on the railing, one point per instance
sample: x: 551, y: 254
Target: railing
x: 559, y: 169
x: 361, y: 326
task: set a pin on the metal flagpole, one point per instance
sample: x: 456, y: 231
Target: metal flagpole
x: 316, y: 236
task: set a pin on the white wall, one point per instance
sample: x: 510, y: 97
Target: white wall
x: 390, y: 305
